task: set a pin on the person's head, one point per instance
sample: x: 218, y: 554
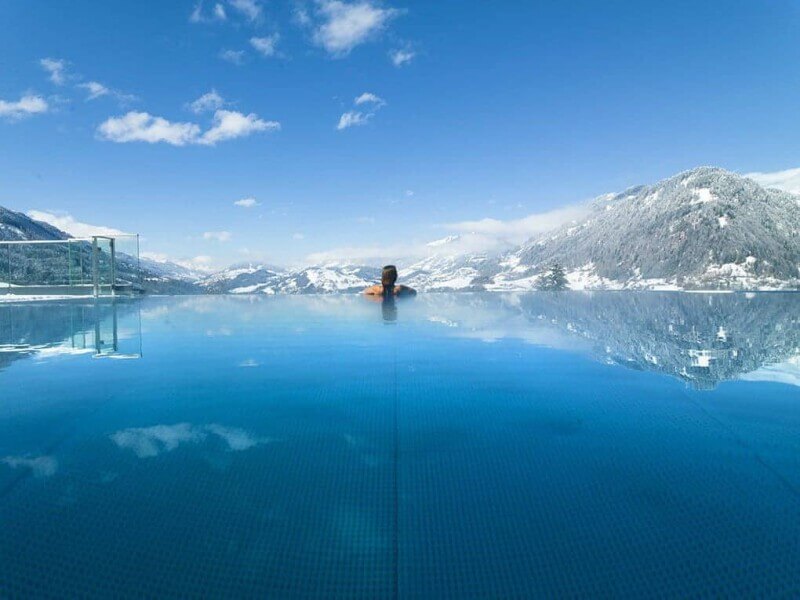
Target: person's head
x: 388, y: 276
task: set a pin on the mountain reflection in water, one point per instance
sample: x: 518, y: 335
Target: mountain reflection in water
x: 702, y: 339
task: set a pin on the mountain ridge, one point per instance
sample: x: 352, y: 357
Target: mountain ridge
x: 704, y: 228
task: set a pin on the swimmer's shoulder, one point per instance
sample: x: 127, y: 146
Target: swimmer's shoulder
x: 404, y: 290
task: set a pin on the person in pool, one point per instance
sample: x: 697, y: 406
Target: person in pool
x: 387, y: 288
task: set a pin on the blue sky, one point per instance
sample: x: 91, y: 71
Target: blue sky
x: 363, y: 128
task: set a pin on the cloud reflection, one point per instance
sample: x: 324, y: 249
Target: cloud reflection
x: 148, y: 442
x: 39, y: 466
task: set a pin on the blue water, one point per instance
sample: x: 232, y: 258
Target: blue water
x: 484, y: 446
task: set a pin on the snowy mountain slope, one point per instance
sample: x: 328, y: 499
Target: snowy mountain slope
x: 18, y: 226
x: 446, y: 270
x: 327, y: 279
x: 705, y: 228
x: 240, y: 277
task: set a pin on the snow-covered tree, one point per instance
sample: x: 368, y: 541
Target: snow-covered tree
x: 554, y: 280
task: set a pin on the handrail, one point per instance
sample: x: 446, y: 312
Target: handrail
x: 65, y: 241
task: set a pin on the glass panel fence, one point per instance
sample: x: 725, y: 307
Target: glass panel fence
x: 104, y: 262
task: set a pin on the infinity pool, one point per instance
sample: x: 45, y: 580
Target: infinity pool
x: 484, y: 446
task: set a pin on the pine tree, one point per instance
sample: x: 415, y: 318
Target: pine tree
x: 554, y: 280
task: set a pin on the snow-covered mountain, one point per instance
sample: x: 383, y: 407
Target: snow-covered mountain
x: 704, y: 228
x: 18, y: 226
x: 240, y: 277
x: 259, y: 279
x: 442, y: 271
x: 445, y: 270
x: 169, y: 270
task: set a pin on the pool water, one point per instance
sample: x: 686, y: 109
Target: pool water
x: 460, y: 446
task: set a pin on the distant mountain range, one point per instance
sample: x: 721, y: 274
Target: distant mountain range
x: 701, y: 229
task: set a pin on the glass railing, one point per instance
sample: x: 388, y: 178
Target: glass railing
x: 98, y: 265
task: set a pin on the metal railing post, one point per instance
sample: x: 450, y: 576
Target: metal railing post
x: 69, y: 264
x: 139, y: 263
x: 8, y: 262
x: 112, y: 247
x: 95, y: 278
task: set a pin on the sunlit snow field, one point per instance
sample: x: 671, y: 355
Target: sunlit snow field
x: 466, y: 445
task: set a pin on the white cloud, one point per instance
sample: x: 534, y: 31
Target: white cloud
x: 95, y: 89
x: 516, y: 231
x: 351, y: 119
x: 235, y: 57
x: 143, y: 127
x: 249, y: 8
x: 341, y: 26
x: 266, y: 46
x: 218, y: 236
x: 229, y: 125
x: 298, y: 236
x: 68, y: 224
x: 486, y: 236
x: 198, y: 15
x: 247, y: 203
x: 370, y: 253
x: 787, y: 180
x: 301, y: 17
x: 369, y: 98
x: 57, y: 68
x: 405, y: 253
x: 207, y: 102
x: 401, y: 57
x: 25, y: 106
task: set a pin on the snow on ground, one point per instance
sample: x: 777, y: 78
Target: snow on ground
x: 248, y: 289
x: 702, y: 196
x: 586, y: 278
x: 502, y: 284
x: 10, y: 298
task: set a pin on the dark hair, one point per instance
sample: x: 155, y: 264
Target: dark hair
x: 388, y: 276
